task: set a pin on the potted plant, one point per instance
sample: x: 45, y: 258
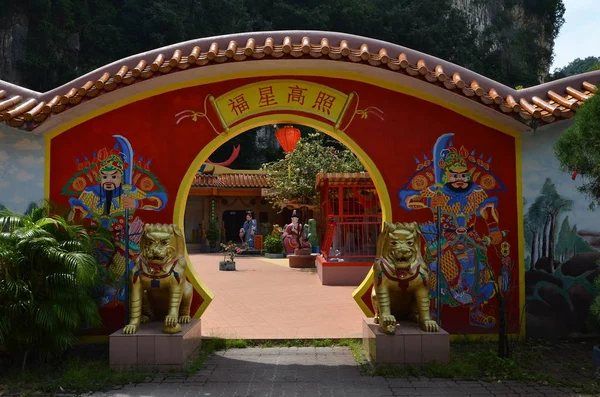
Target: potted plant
x: 213, y: 234
x: 230, y: 251
x: 273, y: 247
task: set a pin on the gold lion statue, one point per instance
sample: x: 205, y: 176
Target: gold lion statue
x: 400, y: 278
x: 157, y: 285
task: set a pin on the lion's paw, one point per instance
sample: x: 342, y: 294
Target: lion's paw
x: 429, y: 326
x: 184, y: 319
x: 387, y: 323
x: 171, y: 321
x: 130, y: 329
x: 144, y: 319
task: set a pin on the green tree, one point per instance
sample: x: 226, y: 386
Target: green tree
x: 578, y: 149
x: 577, y: 66
x: 293, y: 177
x: 48, y: 279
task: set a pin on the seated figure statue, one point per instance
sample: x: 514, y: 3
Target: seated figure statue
x: 293, y: 236
x: 157, y: 286
x: 400, y: 277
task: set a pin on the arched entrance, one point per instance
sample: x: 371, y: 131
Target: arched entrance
x: 391, y: 121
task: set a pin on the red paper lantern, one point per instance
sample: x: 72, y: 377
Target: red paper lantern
x: 288, y: 137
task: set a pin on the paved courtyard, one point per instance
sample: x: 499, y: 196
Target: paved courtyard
x: 311, y: 372
x: 265, y: 299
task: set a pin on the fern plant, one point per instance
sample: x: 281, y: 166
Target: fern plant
x: 48, y: 278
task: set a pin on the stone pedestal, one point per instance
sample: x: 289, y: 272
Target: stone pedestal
x: 409, y: 345
x: 302, y: 258
x: 152, y: 350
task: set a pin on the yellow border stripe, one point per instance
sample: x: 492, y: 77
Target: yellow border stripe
x: 521, y: 232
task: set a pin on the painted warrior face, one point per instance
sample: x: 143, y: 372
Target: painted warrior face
x: 458, y: 177
x: 110, y: 180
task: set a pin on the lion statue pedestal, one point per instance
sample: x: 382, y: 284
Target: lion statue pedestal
x: 160, y: 297
x: 402, y: 331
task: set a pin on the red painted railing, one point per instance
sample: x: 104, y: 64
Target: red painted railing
x: 351, y: 240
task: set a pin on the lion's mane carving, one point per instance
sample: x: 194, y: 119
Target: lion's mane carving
x: 158, y: 285
x: 400, y: 279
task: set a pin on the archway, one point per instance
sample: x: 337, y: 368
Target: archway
x: 395, y: 142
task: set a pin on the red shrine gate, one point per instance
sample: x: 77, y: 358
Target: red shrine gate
x: 350, y: 217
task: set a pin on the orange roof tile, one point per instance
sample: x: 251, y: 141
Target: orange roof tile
x: 231, y: 180
x: 344, y: 179
x: 26, y: 109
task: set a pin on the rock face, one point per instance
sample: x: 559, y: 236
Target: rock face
x: 13, y: 45
x: 581, y: 263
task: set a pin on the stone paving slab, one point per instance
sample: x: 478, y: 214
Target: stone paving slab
x: 311, y: 372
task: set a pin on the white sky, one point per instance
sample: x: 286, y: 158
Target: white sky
x: 579, y: 36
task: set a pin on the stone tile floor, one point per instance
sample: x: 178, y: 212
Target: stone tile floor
x: 265, y: 299
x: 311, y: 372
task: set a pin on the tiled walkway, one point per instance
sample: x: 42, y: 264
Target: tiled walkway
x: 265, y: 299
x: 311, y: 372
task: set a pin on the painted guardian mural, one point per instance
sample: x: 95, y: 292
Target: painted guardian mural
x: 562, y: 238
x: 111, y: 187
x: 464, y: 235
x: 458, y: 189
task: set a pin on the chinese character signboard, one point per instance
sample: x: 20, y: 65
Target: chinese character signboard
x: 294, y: 95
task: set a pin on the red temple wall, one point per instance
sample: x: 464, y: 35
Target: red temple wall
x: 410, y: 129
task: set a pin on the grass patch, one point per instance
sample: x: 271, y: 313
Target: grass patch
x: 74, y: 374
x: 86, y: 368
x: 531, y: 362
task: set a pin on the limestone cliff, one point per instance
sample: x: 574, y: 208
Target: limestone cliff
x: 45, y: 43
x: 13, y: 38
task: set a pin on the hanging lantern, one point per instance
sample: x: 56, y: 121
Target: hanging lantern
x: 288, y: 137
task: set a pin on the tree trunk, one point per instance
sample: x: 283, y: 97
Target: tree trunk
x: 545, y: 238
x: 551, y: 241
x: 24, y: 363
x: 533, y: 250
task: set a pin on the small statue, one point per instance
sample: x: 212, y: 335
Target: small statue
x: 400, y: 278
x: 157, y: 285
x: 292, y: 236
x: 248, y: 230
x: 313, y: 237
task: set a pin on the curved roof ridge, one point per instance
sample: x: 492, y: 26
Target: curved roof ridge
x: 27, y: 109
x: 354, y: 41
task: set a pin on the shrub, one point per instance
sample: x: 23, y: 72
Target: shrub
x: 273, y: 245
x: 48, y: 278
x: 213, y: 233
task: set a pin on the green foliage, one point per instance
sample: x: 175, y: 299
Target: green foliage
x: 577, y: 66
x: 595, y: 306
x: 72, y: 37
x: 293, y: 178
x: 213, y: 232
x: 273, y: 244
x: 312, y: 236
x: 578, y: 149
x: 48, y: 280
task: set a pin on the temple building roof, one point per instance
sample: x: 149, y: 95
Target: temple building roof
x: 344, y: 179
x: 26, y: 109
x: 237, y: 180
